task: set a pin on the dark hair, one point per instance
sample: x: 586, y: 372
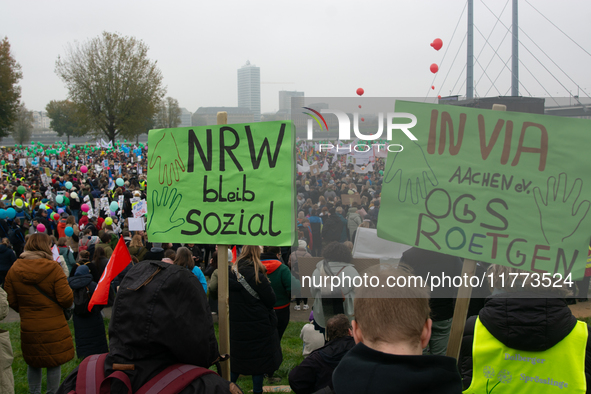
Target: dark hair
x: 272, y: 249
x: 336, y: 251
x: 106, y: 238
x: 99, y: 253
x: 337, y: 327
x: 184, y: 258
x: 170, y: 254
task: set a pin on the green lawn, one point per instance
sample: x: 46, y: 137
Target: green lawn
x: 291, y: 345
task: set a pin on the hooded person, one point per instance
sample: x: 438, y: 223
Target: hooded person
x: 147, y: 334
x: 89, y: 328
x: 156, y: 252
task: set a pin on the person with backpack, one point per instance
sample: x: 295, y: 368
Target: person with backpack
x: 66, y: 253
x: 147, y: 340
x: 328, y: 301
x: 89, y: 328
x: 84, y: 259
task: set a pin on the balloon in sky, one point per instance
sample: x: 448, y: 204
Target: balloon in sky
x: 85, y: 208
x: 74, y: 195
x: 69, y: 185
x: 108, y: 221
x: 437, y: 44
x: 19, y: 203
x: 59, y: 199
x: 40, y: 228
x: 432, y: 87
x: 438, y: 97
x: 119, y: 182
x: 360, y: 106
x: 69, y: 231
x: 21, y: 190
x: 56, y: 216
x: 114, y: 206
x: 434, y: 68
x: 360, y: 91
x: 363, y: 119
x: 84, y: 169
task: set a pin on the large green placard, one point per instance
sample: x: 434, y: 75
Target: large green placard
x: 224, y: 184
x: 501, y: 187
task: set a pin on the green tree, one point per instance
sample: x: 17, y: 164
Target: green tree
x: 114, y: 84
x: 168, y: 114
x: 65, y: 118
x: 22, y: 125
x: 10, y: 93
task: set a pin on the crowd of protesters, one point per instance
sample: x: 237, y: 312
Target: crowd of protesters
x: 59, y: 210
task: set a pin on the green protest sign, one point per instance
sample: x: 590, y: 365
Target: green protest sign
x: 501, y: 187
x: 224, y: 184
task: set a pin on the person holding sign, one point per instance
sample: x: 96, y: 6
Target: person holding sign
x: 254, y: 341
x: 521, y: 341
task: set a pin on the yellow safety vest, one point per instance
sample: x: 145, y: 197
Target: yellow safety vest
x: 498, y: 369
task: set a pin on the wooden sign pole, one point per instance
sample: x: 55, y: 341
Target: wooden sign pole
x: 458, y: 323
x: 223, y: 307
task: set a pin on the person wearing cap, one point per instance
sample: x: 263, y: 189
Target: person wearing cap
x: 89, y: 328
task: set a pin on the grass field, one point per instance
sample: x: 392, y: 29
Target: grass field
x: 291, y: 345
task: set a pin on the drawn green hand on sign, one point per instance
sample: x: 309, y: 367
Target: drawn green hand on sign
x: 559, y: 200
x: 170, y: 200
x: 412, y: 173
x: 167, y: 169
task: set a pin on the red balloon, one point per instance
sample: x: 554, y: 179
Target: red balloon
x: 360, y: 91
x: 438, y: 97
x: 434, y: 68
x: 432, y: 87
x: 363, y: 119
x: 437, y: 44
x: 360, y: 106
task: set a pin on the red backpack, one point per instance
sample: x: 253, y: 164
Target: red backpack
x: 91, y: 378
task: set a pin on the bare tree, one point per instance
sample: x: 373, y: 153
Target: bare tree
x: 23, y: 125
x: 168, y: 114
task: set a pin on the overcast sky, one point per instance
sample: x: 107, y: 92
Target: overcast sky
x: 323, y: 48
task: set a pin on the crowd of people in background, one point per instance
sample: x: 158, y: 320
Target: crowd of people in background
x: 58, y: 230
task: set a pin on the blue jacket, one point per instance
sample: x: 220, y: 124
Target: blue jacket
x: 201, y: 277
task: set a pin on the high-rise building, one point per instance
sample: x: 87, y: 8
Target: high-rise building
x: 249, y: 89
x: 285, y: 99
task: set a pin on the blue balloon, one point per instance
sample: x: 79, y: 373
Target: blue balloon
x: 59, y: 199
x: 2, y: 214
x: 69, y: 231
x: 114, y: 206
x: 11, y: 213
x: 69, y: 185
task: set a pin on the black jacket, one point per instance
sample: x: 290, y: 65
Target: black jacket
x: 529, y: 324
x: 89, y: 330
x: 160, y: 317
x: 254, y: 341
x: 7, y: 258
x: 332, y: 229
x: 315, y: 372
x: 367, y: 371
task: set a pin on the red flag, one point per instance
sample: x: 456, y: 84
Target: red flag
x: 234, y: 254
x: 117, y: 263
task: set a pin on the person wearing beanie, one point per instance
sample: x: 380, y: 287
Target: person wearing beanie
x: 301, y: 252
